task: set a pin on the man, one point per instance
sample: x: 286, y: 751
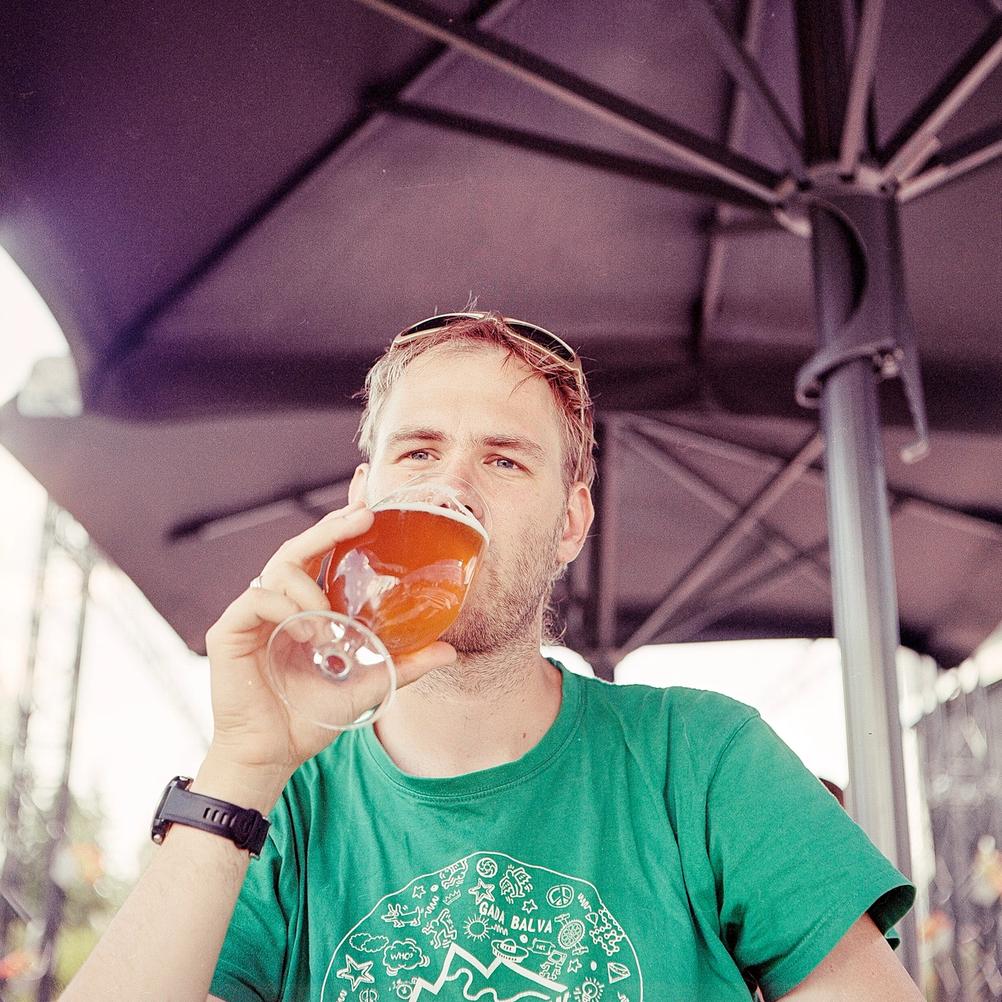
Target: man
x: 507, y: 830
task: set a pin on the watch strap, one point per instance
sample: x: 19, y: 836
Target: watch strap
x: 246, y: 827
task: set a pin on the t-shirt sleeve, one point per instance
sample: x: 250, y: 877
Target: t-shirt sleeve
x: 252, y: 963
x: 793, y: 871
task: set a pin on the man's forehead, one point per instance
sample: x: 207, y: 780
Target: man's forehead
x: 479, y: 385
x: 485, y: 372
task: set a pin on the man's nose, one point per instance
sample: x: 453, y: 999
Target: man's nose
x: 471, y: 497
x: 473, y: 502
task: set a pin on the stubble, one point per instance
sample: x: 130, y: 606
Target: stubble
x: 497, y: 635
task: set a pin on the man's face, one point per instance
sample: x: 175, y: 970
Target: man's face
x: 478, y: 415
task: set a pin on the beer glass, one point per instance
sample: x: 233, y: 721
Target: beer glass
x: 392, y: 590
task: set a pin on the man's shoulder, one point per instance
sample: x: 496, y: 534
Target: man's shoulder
x: 677, y: 719
x: 675, y: 704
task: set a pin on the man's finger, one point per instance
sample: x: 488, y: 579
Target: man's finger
x: 320, y: 538
x: 256, y: 607
x: 410, y: 667
x: 290, y: 580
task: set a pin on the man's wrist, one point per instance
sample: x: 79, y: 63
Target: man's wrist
x: 258, y: 787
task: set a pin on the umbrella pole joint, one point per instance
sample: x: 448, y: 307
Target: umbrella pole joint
x: 878, y: 326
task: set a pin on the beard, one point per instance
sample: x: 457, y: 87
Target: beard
x: 502, y: 615
x: 507, y: 599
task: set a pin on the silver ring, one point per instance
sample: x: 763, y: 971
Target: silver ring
x: 256, y: 583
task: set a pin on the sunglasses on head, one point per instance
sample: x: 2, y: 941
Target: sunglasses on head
x: 537, y: 336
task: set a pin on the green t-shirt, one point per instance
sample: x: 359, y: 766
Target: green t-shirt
x: 657, y: 845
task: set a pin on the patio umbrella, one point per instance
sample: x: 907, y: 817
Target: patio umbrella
x: 733, y: 209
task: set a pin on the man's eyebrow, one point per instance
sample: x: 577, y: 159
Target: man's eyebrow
x: 415, y: 434
x: 516, y: 443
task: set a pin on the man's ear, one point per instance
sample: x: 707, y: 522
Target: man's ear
x: 356, y: 489
x: 578, y: 519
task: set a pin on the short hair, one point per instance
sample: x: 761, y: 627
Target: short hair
x: 574, y: 405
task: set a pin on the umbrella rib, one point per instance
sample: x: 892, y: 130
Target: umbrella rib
x: 715, y: 608
x: 984, y: 523
x: 916, y: 139
x: 225, y: 523
x: 590, y: 156
x: 713, y: 272
x: 955, y: 162
x: 972, y: 520
x: 707, y: 443
x: 706, y: 491
x: 683, y: 144
x: 707, y: 562
x: 860, y: 85
x: 603, y: 604
x: 746, y: 73
x: 132, y: 334
x: 732, y: 228
x: 723, y: 602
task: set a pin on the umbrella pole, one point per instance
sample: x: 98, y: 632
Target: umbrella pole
x: 862, y: 325
x: 859, y: 306
x: 863, y: 587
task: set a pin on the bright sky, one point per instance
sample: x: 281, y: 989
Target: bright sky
x: 143, y: 711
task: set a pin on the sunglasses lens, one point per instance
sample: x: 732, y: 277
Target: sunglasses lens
x: 537, y: 335
x: 544, y: 339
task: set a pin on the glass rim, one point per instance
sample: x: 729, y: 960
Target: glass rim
x: 389, y: 501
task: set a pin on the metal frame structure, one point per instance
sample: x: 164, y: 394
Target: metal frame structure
x: 962, y: 759
x: 39, y: 767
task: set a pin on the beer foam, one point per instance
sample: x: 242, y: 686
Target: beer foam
x: 433, y: 509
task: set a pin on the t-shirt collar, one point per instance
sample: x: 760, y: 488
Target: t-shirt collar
x: 488, y: 781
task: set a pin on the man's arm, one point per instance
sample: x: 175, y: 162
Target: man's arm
x: 164, y: 943
x: 861, y: 968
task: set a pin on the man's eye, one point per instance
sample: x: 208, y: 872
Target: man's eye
x: 502, y: 462
x: 418, y: 454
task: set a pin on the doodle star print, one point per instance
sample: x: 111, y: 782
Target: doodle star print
x: 488, y: 928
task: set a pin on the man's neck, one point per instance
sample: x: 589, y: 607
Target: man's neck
x: 482, y: 712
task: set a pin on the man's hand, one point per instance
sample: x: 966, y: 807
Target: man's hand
x: 257, y: 742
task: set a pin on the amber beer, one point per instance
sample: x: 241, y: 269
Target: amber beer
x: 406, y: 578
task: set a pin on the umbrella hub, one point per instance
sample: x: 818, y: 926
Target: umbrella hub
x: 874, y: 322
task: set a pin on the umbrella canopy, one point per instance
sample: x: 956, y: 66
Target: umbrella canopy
x: 231, y: 209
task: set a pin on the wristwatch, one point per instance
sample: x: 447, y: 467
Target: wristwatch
x: 244, y: 826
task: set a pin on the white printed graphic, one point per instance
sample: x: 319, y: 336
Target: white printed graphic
x: 487, y: 868
x: 560, y: 895
x: 589, y: 990
x: 403, y: 955
x: 357, y: 973
x: 482, y: 892
x: 441, y: 930
x: 516, y: 883
x: 486, y: 928
x: 617, y: 972
x: 453, y: 875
